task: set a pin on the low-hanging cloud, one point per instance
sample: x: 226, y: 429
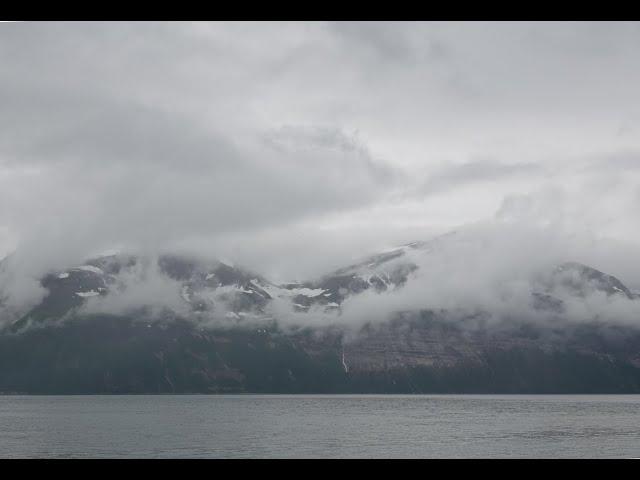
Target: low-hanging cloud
x: 296, y: 147
x: 492, y: 269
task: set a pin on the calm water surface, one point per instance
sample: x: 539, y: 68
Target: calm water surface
x: 320, y: 426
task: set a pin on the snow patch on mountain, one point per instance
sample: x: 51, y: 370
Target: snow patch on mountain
x: 90, y: 293
x: 90, y: 268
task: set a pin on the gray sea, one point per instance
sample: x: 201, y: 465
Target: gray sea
x: 320, y: 426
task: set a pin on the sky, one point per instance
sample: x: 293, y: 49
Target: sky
x: 295, y: 147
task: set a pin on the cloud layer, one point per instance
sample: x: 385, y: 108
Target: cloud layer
x: 297, y: 147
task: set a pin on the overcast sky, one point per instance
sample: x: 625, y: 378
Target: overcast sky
x: 294, y: 147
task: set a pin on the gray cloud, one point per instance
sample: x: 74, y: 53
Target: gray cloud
x: 298, y: 146
x: 480, y: 171
x: 91, y: 163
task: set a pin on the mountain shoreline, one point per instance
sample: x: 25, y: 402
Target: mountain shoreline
x: 120, y: 324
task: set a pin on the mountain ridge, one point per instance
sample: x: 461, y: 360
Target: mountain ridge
x: 225, y: 334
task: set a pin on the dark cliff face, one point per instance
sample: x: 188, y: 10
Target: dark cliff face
x: 60, y: 347
x: 121, y: 355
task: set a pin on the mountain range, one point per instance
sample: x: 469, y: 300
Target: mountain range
x: 175, y: 323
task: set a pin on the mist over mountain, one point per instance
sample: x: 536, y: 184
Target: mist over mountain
x: 319, y: 207
x: 428, y: 316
